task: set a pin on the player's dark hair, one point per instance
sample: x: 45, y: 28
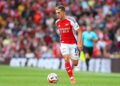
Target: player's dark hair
x: 60, y: 7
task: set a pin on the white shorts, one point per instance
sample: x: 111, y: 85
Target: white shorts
x: 70, y: 49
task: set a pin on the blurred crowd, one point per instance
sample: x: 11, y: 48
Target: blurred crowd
x: 27, y: 27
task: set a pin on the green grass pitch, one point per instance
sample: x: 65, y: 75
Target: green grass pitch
x: 13, y: 76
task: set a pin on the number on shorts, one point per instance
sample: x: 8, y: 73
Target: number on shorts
x: 76, y: 50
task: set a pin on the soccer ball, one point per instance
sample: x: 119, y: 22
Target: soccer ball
x: 52, y: 78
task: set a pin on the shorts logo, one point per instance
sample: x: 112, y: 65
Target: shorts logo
x: 63, y: 50
x: 76, y: 54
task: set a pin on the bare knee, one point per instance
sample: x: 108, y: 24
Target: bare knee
x: 75, y: 62
x: 66, y: 58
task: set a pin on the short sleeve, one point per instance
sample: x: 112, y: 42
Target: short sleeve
x: 94, y: 36
x: 74, y: 23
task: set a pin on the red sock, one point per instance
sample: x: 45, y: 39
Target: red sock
x: 69, y: 69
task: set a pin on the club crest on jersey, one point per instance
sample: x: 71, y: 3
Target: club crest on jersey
x: 58, y: 25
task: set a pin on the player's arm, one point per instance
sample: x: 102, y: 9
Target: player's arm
x: 79, y: 42
x: 95, y: 38
x: 79, y: 32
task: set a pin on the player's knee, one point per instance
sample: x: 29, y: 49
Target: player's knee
x: 66, y: 59
x: 75, y: 64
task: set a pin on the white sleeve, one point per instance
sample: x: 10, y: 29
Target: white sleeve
x: 74, y: 23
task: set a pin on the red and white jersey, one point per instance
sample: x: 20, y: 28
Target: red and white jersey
x: 67, y: 29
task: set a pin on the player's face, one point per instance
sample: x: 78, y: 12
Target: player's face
x: 89, y: 28
x: 60, y: 13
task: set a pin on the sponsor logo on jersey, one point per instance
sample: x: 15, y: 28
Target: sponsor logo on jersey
x: 64, y: 30
x: 66, y: 24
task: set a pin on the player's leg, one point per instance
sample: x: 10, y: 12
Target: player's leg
x: 85, y: 49
x: 87, y: 56
x: 68, y: 66
x: 88, y: 53
x: 74, y: 62
x: 74, y: 53
x: 65, y: 52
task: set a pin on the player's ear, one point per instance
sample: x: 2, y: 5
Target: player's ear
x: 63, y: 12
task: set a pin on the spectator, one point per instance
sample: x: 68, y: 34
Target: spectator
x: 27, y: 27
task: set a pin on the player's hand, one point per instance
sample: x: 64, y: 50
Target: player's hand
x: 90, y: 38
x: 80, y: 47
